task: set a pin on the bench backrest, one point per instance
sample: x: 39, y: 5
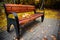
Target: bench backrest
x: 18, y: 8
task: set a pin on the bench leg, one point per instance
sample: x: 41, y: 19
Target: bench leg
x: 8, y: 27
x: 42, y: 18
x: 17, y: 31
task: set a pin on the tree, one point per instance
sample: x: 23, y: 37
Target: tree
x: 18, y: 1
x: 42, y: 4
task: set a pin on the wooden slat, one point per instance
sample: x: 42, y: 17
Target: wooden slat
x: 19, y: 8
x: 31, y: 18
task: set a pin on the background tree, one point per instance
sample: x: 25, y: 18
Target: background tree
x: 52, y: 4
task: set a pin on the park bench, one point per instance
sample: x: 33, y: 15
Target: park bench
x: 19, y: 8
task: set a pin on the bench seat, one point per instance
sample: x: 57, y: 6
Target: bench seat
x: 31, y: 18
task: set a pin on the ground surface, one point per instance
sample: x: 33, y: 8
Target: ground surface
x: 38, y: 30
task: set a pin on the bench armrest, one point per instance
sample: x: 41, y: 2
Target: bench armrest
x: 14, y: 13
x: 16, y: 17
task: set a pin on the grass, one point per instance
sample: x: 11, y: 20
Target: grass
x: 52, y: 14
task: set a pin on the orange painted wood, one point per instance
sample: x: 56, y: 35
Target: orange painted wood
x: 19, y: 8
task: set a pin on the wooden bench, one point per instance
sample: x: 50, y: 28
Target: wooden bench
x: 18, y: 8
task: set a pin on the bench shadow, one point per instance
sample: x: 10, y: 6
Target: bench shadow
x: 29, y: 26
x: 26, y: 27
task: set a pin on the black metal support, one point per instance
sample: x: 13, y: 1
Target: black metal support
x: 17, y: 26
x: 42, y: 18
x: 15, y: 22
x: 8, y: 20
x: 8, y: 25
x: 17, y: 31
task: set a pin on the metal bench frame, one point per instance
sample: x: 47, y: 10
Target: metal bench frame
x: 15, y: 22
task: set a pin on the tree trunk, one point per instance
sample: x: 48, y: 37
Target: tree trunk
x: 42, y: 4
